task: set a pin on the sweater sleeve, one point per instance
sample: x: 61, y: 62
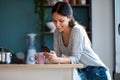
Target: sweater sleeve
x: 82, y: 51
x: 79, y: 42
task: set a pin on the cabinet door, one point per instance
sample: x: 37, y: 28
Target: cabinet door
x: 117, y: 35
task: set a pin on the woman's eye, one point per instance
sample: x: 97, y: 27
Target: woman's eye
x: 54, y: 21
x: 61, y: 20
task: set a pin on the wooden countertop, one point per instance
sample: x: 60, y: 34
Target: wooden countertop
x: 39, y: 66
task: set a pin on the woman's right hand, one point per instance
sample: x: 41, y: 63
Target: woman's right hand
x: 51, y: 57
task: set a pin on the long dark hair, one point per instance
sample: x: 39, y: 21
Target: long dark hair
x: 64, y: 9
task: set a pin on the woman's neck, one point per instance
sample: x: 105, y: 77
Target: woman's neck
x: 67, y: 31
x: 66, y: 36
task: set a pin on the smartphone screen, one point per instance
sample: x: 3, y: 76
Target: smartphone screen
x: 45, y: 49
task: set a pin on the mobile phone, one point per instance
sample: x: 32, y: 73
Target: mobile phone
x: 45, y: 49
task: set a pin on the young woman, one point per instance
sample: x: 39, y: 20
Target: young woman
x: 72, y: 46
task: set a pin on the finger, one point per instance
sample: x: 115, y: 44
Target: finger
x: 36, y: 61
x: 45, y: 53
x: 53, y: 52
x: 35, y: 57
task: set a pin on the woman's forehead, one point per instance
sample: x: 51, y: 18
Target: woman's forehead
x: 58, y: 16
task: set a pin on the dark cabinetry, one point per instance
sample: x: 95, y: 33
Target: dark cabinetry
x: 82, y: 14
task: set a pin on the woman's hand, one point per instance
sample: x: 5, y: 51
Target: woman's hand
x: 51, y: 57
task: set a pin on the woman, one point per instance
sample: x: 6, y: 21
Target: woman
x: 72, y: 46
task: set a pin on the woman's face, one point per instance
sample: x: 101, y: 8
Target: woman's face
x: 61, y: 22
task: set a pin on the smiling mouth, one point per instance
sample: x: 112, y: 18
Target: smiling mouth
x: 58, y: 28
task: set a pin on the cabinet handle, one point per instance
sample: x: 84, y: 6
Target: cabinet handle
x: 119, y: 29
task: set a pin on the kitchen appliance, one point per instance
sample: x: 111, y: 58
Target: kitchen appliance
x: 31, y: 50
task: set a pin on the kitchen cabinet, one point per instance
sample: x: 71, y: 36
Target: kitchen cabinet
x: 38, y: 71
x: 81, y: 13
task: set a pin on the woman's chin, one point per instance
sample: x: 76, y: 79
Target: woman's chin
x: 59, y: 30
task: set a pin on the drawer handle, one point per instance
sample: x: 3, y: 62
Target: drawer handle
x: 119, y: 29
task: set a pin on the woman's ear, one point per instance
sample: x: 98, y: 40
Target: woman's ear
x: 70, y: 17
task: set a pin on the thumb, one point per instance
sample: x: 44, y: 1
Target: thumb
x: 53, y: 52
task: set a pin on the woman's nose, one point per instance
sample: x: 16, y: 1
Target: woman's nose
x: 57, y: 24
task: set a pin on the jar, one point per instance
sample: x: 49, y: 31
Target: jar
x: 5, y: 56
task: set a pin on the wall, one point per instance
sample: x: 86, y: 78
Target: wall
x: 17, y: 19
x: 103, y: 31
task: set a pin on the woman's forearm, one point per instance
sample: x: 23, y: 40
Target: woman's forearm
x: 63, y: 60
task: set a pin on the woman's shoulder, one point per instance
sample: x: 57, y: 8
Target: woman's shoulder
x: 79, y: 28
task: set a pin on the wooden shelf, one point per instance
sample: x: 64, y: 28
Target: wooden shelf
x: 80, y: 5
x: 48, y: 32
x: 53, y: 33
x: 73, y: 5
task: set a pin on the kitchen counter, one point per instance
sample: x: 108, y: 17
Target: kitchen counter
x: 37, y: 71
x: 39, y: 66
